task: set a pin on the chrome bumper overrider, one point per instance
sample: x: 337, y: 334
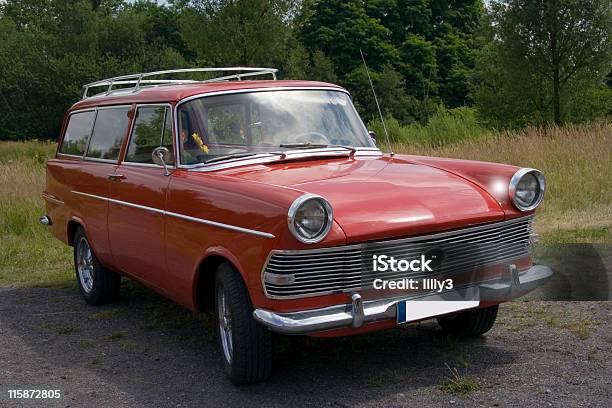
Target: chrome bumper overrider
x: 359, y: 312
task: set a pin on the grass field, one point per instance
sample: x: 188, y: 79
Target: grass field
x: 29, y: 255
x: 577, y: 208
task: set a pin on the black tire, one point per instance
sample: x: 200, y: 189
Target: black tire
x: 469, y: 324
x: 104, y: 285
x: 250, y: 359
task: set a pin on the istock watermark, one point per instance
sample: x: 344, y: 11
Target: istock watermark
x: 414, y: 284
x: 385, y: 265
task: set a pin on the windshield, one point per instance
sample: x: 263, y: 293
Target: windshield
x: 244, y: 124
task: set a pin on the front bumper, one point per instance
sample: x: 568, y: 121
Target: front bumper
x: 358, y: 312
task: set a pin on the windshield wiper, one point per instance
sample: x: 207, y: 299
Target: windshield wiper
x: 351, y: 148
x: 306, y: 145
x: 228, y: 156
x: 317, y: 146
x: 282, y: 154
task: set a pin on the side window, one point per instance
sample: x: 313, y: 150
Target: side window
x: 152, y: 128
x: 77, y: 133
x: 109, y: 130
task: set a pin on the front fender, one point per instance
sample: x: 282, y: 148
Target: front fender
x: 494, y: 178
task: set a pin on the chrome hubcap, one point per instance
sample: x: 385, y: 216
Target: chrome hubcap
x: 225, y: 324
x: 84, y: 261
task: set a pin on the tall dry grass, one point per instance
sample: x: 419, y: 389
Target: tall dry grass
x: 29, y: 255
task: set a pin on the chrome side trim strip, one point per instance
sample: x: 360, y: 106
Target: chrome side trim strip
x: 95, y: 159
x: 177, y: 215
x: 136, y: 164
x: 52, y: 198
x: 60, y: 155
x: 220, y: 225
x: 127, y: 204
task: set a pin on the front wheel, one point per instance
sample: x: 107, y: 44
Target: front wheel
x: 246, y: 346
x: 471, y: 323
x: 97, y: 283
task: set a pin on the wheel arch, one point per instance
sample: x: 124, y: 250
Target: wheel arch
x: 71, y: 228
x: 204, y: 279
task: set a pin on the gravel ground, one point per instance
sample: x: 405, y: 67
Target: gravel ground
x: 146, y: 351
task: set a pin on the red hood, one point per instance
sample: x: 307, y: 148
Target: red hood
x: 375, y: 198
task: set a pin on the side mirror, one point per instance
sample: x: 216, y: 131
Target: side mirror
x: 160, y: 156
x: 372, y: 135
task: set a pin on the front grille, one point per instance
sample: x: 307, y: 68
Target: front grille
x: 340, y: 269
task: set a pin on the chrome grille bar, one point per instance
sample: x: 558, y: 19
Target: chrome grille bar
x: 339, y: 269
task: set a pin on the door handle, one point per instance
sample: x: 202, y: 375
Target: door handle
x: 115, y: 177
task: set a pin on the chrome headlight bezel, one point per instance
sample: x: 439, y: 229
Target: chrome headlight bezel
x: 516, y: 179
x: 296, y: 205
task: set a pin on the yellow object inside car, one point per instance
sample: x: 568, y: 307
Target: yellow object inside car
x: 199, y: 142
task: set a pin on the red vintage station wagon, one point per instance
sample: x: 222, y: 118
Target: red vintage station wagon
x: 269, y: 202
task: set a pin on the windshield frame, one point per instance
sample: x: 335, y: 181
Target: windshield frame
x: 264, y: 156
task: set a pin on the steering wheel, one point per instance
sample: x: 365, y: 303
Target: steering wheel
x: 319, y: 138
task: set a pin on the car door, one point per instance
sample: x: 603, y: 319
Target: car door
x: 138, y: 192
x: 106, y: 128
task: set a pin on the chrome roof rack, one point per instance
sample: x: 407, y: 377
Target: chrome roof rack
x: 138, y: 79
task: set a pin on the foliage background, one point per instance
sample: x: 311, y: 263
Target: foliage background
x: 437, y: 65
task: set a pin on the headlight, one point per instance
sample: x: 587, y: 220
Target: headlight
x: 310, y: 218
x: 527, y: 189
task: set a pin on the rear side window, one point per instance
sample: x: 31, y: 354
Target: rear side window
x: 109, y: 130
x: 152, y: 129
x: 77, y: 133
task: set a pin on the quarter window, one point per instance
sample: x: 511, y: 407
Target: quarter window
x: 109, y: 130
x: 152, y: 129
x: 77, y: 133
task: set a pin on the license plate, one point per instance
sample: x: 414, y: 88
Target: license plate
x: 412, y: 310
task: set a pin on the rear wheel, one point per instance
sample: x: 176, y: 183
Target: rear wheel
x: 246, y: 346
x: 97, y: 283
x: 471, y: 323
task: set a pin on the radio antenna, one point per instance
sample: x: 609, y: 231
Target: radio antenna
x: 382, y: 120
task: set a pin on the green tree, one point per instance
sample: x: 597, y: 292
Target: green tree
x: 340, y: 28
x: 546, y: 47
x: 39, y: 73
x: 237, y: 32
x: 316, y: 66
x: 50, y: 48
x: 430, y: 43
x: 297, y: 63
x: 419, y: 66
x: 389, y: 85
x: 454, y: 30
x: 322, y: 68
